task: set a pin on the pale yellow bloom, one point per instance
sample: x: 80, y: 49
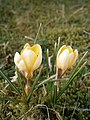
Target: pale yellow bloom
x: 29, y: 59
x: 66, y: 57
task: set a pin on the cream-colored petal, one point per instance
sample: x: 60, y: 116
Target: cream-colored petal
x: 70, y: 49
x: 38, y: 50
x: 75, y: 56
x: 17, y: 58
x: 37, y: 62
x: 70, y: 59
x: 61, y: 50
x: 29, y: 58
x: 62, y: 60
x: 21, y: 66
x: 26, y: 47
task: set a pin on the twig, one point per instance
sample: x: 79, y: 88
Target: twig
x: 74, y: 108
x: 57, y: 113
x: 86, y: 32
x: 77, y: 109
x: 25, y: 113
x: 78, y: 10
x: 38, y: 32
x: 63, y: 10
x: 28, y: 38
x: 47, y: 111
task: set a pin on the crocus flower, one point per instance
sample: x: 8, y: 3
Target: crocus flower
x: 66, y: 57
x: 29, y: 59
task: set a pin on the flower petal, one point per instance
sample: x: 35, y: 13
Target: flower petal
x: 61, y: 49
x: 75, y: 56
x: 62, y: 60
x: 37, y: 49
x: 70, y: 49
x: 70, y: 59
x: 17, y: 58
x: 29, y: 58
x: 26, y: 46
x: 21, y: 66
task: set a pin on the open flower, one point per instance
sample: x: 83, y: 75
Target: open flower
x: 66, y: 57
x: 29, y: 59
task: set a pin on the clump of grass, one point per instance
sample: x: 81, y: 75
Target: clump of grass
x: 19, y: 19
x: 42, y: 93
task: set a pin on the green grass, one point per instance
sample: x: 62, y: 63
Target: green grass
x: 20, y: 18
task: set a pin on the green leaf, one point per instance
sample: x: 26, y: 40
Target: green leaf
x: 55, y: 95
x: 46, y: 80
x: 20, y: 82
x: 70, y: 81
x: 10, y: 83
x: 33, y: 86
x: 58, y: 47
x: 80, y: 48
x: 35, y: 41
x: 72, y: 76
x: 9, y: 99
x: 76, y: 68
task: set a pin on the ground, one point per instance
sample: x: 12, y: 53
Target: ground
x: 69, y: 20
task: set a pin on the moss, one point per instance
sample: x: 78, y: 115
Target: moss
x: 22, y: 18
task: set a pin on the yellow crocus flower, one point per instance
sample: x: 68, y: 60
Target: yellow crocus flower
x: 66, y: 57
x: 29, y: 59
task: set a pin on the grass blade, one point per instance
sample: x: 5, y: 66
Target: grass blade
x: 33, y: 86
x: 9, y: 99
x: 35, y: 41
x: 46, y: 80
x: 10, y: 83
x: 69, y: 81
x: 20, y: 83
x: 55, y: 94
x: 76, y: 68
